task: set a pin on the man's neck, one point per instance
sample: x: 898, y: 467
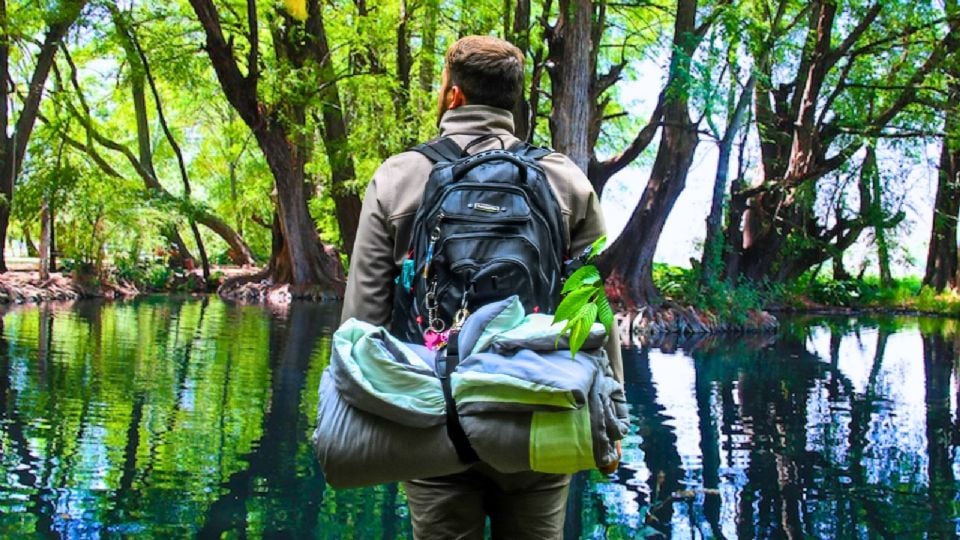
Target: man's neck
x: 476, y: 120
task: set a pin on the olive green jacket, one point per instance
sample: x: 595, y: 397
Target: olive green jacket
x: 395, y: 192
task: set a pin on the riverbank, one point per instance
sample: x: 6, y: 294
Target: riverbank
x: 21, y: 287
x: 651, y: 325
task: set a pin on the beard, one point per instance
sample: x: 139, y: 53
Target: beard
x: 443, y: 104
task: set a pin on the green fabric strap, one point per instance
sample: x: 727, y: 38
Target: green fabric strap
x: 560, y: 442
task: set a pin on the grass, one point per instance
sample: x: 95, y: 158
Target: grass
x: 681, y: 285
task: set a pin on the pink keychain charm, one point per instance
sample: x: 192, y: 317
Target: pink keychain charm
x: 434, y: 340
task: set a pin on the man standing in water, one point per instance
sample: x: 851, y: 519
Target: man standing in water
x: 482, y: 82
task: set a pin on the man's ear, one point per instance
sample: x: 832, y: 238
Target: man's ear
x: 456, y: 97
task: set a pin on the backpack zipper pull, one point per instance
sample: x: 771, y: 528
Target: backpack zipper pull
x: 434, y: 236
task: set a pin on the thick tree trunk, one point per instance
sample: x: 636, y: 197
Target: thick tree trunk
x: 12, y: 149
x: 941, y: 269
x: 572, y: 74
x: 239, y: 252
x: 629, y: 260
x: 6, y: 145
x: 577, y: 90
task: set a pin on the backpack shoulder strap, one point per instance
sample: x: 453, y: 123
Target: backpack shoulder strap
x: 529, y: 151
x: 440, y: 150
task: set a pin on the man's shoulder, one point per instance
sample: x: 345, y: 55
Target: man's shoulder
x: 399, y: 182
x: 403, y: 161
x: 560, y: 169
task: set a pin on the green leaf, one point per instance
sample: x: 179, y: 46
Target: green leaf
x: 572, y: 303
x: 588, y: 313
x: 585, y: 275
x: 578, y: 335
x: 604, y: 312
x: 596, y: 247
x: 582, y: 323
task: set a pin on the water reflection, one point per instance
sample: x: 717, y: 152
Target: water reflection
x: 191, y: 417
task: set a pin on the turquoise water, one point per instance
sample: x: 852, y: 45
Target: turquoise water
x: 171, y: 418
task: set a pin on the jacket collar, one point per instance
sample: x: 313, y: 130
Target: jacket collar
x: 476, y: 120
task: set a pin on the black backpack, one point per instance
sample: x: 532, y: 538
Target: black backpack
x: 489, y: 226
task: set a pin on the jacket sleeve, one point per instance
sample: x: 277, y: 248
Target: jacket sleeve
x: 585, y: 226
x: 592, y: 228
x: 369, y: 295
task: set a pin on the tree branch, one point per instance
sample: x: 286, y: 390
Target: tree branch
x: 45, y: 60
x: 236, y: 87
x: 253, y: 69
x: 855, y: 34
x: 613, y: 165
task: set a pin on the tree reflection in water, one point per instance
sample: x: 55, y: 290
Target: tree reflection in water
x: 179, y: 417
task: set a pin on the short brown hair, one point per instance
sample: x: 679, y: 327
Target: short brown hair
x: 488, y: 70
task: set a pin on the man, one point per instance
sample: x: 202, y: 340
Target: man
x: 482, y: 81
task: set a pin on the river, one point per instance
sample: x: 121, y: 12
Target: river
x: 166, y: 417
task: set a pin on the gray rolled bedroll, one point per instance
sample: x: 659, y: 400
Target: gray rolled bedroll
x: 523, y: 401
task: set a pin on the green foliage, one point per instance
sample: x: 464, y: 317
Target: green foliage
x: 158, y: 277
x: 584, y: 301
x: 729, y: 303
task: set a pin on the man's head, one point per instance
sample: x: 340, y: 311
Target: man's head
x: 481, y: 70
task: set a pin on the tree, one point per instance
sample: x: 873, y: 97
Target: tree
x: 297, y: 256
x: 13, y: 146
x: 941, y: 268
x: 579, y: 94
x: 629, y: 260
x: 142, y: 161
x: 736, y: 113
x: 843, y: 87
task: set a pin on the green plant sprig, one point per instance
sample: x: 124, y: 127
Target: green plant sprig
x: 584, y: 301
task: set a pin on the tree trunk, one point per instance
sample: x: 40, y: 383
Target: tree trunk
x: 335, y: 131
x: 873, y: 183
x: 577, y: 90
x: 32, y: 249
x: 572, y: 75
x: 713, y: 241
x: 184, y: 177
x: 45, y: 234
x: 941, y: 269
x: 6, y: 145
x: 629, y: 260
x: 13, y: 148
x: 53, y: 238
x: 428, y: 65
x: 520, y: 36
x: 401, y: 97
